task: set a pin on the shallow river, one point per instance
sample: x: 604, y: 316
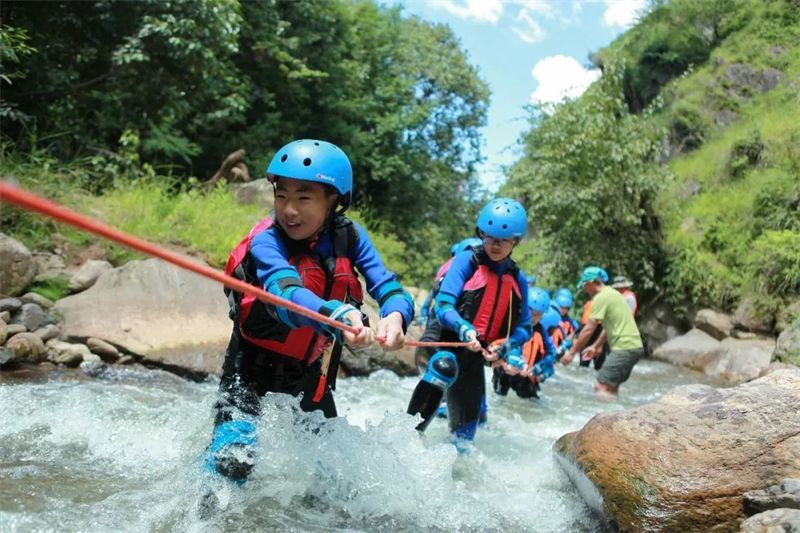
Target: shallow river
x: 124, y: 453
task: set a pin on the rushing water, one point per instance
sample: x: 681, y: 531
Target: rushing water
x: 124, y: 453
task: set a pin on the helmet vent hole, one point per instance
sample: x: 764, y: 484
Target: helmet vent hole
x: 491, y: 222
x: 316, y: 143
x: 307, y: 161
x: 508, y: 210
x: 505, y: 226
x: 284, y: 157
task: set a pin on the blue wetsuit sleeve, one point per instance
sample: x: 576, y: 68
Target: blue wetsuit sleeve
x: 524, y: 330
x: 461, y: 269
x: 277, y: 276
x: 425, y: 309
x: 382, y: 284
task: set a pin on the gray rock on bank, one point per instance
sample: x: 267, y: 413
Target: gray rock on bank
x: 155, y: 310
x: 17, y: 267
x: 87, y: 274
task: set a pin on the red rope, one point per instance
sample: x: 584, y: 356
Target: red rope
x: 32, y: 202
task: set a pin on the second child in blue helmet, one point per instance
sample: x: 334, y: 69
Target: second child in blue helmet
x: 308, y: 253
x: 538, y: 353
x: 482, y: 298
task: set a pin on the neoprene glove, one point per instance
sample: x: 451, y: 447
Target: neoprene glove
x: 463, y: 328
x: 336, y: 310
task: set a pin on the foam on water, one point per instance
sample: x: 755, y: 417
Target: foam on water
x: 125, y: 454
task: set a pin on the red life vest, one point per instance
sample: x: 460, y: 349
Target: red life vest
x: 332, y: 279
x: 490, y: 302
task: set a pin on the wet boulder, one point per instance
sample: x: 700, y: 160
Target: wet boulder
x: 65, y: 353
x: 683, y: 462
x: 17, y: 267
x: 38, y: 299
x: 10, y: 305
x: 150, y: 308
x: 749, y: 318
x: 774, y: 521
x: 786, y: 495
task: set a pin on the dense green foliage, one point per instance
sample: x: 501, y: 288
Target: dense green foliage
x: 718, y: 82
x: 590, y: 175
x: 165, y: 90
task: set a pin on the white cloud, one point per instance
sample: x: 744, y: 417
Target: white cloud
x: 545, y: 8
x: 622, y: 13
x: 560, y: 77
x: 480, y: 10
x: 531, y: 32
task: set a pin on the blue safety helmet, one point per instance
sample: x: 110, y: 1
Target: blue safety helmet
x: 564, y: 298
x: 592, y: 273
x: 467, y: 244
x: 503, y: 218
x: 538, y: 300
x: 317, y: 161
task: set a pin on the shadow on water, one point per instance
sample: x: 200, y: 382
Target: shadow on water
x: 122, y: 451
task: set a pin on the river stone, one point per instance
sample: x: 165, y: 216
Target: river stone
x: 91, y: 357
x: 17, y: 267
x: 13, y: 329
x: 786, y: 315
x: 5, y: 317
x: 48, y: 332
x: 683, y: 462
x: 774, y: 521
x: 125, y: 360
x: 32, y: 317
x: 737, y: 361
x: 38, y: 299
x: 718, y: 325
x: 6, y: 355
x: 786, y: 495
x: 10, y: 304
x: 105, y: 350
x: 49, y: 266
x: 87, y: 274
x: 153, y: 309
x: 65, y: 353
x: 26, y: 347
x: 3, y: 333
x: 689, y: 350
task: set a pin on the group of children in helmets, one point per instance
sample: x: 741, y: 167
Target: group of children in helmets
x: 308, y: 252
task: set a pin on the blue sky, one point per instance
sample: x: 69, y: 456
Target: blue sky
x: 526, y: 49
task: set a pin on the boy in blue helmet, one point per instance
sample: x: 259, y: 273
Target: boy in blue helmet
x: 307, y: 253
x: 539, y: 354
x: 482, y: 299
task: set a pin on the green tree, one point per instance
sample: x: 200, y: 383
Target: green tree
x: 589, y: 176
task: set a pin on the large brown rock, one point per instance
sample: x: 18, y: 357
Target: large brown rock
x: 17, y: 267
x: 684, y: 462
x: 150, y: 308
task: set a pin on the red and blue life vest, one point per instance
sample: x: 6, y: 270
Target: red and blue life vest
x: 491, y: 303
x: 333, y: 278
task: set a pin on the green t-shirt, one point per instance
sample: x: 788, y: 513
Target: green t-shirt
x: 610, y: 308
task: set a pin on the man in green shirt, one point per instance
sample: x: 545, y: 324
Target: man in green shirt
x: 610, y: 309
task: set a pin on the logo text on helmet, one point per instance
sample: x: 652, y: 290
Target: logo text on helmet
x: 323, y: 177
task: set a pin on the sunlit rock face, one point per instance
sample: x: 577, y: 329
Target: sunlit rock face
x: 683, y: 463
